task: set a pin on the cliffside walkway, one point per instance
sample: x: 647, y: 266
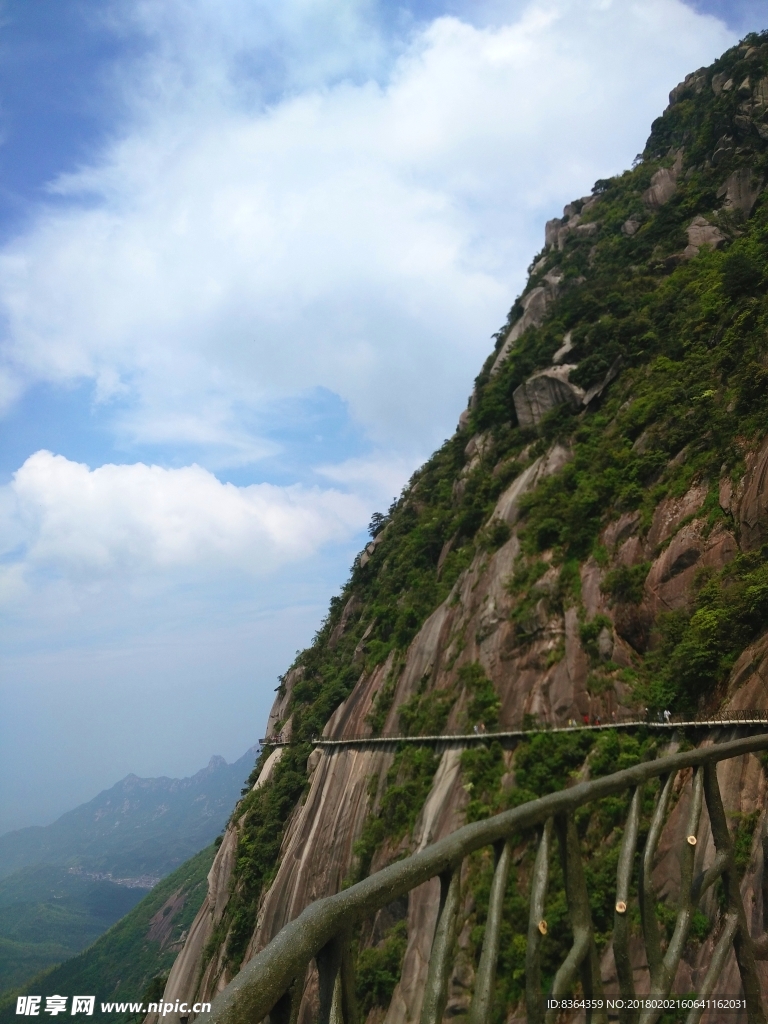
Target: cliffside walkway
x: 742, y: 719
x: 274, y: 981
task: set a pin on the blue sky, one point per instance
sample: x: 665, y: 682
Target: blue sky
x: 251, y: 257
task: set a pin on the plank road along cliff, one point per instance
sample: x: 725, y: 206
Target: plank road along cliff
x: 592, y: 541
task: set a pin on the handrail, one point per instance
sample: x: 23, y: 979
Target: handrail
x: 718, y: 719
x: 321, y: 932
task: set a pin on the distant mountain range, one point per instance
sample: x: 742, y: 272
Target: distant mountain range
x: 63, y: 885
x: 136, y: 832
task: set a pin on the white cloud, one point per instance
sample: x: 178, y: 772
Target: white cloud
x: 361, y: 234
x: 136, y: 519
x: 380, y: 479
x: 301, y: 195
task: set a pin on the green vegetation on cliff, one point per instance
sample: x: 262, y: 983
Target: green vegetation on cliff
x: 659, y: 283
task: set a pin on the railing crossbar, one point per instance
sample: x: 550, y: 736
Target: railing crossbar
x: 321, y: 930
x: 655, y: 722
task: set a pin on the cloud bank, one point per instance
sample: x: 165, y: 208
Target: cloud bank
x: 363, y: 231
x: 136, y: 518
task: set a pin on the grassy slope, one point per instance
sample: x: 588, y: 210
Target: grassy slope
x: 122, y: 963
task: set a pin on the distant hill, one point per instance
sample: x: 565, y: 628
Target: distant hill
x: 122, y: 963
x: 48, y: 914
x: 137, y: 831
x: 63, y: 885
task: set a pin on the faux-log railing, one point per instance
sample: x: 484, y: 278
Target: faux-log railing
x: 272, y: 982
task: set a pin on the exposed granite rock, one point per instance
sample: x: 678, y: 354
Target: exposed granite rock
x: 441, y: 814
x: 718, y: 81
x: 663, y: 184
x: 670, y: 580
x: 551, y: 229
x: 740, y: 189
x: 571, y: 222
x: 370, y: 547
x: 547, y: 584
x: 700, y: 232
x: 669, y: 584
x: 543, y: 392
x: 477, y: 445
x: 605, y: 644
x: 748, y: 681
x: 633, y: 624
x: 725, y: 494
x: 351, y: 610
x: 591, y: 594
x: 760, y: 94
x: 753, y: 505
x: 695, y: 82
x: 557, y: 230
x: 283, y: 700
x: 596, y: 391
x: 359, y: 651
x: 534, y: 305
x: 564, y: 349
x: 474, y: 451
x: 671, y: 512
x: 723, y: 148
x: 313, y: 761
x: 269, y: 766
x: 619, y: 530
x: 630, y: 552
x: 507, y: 507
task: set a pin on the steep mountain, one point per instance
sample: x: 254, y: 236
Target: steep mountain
x: 137, y: 831
x: 141, y: 947
x: 593, y: 539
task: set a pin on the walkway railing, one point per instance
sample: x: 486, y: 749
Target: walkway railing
x: 272, y: 982
x: 648, y: 720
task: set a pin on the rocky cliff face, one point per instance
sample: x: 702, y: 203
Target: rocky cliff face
x: 591, y: 540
